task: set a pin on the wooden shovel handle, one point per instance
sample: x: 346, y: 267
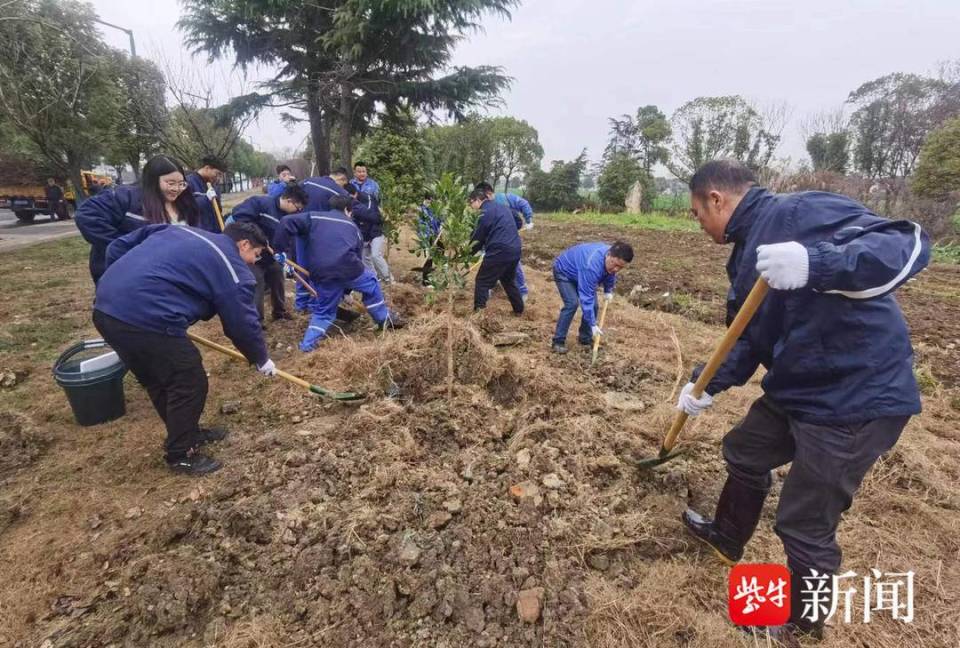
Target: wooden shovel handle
x: 216, y: 209
x: 744, y: 315
x: 603, y: 319
x: 233, y: 353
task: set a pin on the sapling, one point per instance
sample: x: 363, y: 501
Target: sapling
x: 450, y: 250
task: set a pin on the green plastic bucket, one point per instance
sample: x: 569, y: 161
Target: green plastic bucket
x: 91, y: 374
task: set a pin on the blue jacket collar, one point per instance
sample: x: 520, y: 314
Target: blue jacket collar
x: 740, y: 223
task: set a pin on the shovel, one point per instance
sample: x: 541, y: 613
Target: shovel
x: 596, y: 341
x: 216, y: 209
x: 316, y: 389
x: 296, y: 274
x: 744, y: 315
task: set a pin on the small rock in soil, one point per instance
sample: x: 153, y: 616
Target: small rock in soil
x: 409, y: 553
x: 453, y: 506
x: 598, y: 561
x: 529, y: 603
x: 523, y: 458
x: 230, y: 407
x: 509, y: 338
x: 553, y: 482
x: 8, y: 379
x: 525, y: 490
x: 439, y: 520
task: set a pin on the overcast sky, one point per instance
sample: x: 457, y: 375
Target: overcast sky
x: 575, y: 63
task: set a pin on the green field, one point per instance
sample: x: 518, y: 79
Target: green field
x: 651, y: 220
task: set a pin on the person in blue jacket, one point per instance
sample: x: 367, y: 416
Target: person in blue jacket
x: 161, y: 197
x: 266, y: 213
x: 496, y: 235
x: 428, y: 230
x: 284, y: 177
x: 839, y: 385
x: 203, y: 184
x: 367, y: 216
x: 159, y: 281
x: 320, y: 189
x: 364, y: 182
x: 523, y: 212
x: 577, y: 273
x: 335, y: 262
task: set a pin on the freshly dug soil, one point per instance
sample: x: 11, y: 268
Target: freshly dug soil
x: 417, y: 520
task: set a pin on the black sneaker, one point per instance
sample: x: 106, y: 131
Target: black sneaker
x: 559, y: 349
x: 208, y: 436
x: 282, y: 316
x: 583, y: 342
x: 195, y: 465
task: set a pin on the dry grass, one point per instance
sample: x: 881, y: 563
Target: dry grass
x: 350, y: 476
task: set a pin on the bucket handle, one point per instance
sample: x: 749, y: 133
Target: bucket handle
x: 96, y: 343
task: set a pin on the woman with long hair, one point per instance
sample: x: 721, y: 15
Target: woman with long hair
x: 161, y: 197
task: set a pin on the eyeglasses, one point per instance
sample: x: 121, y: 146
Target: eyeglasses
x: 173, y: 184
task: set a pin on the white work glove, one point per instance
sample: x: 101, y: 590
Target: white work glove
x: 608, y: 296
x: 785, y: 266
x: 693, y: 406
x: 528, y: 226
x: 268, y: 368
x: 211, y: 194
x: 596, y: 331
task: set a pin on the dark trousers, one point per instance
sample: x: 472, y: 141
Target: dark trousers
x: 269, y: 278
x: 427, y: 267
x: 571, y: 302
x: 828, y: 465
x: 487, y: 277
x: 170, y: 369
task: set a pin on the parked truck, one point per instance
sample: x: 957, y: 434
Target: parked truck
x: 22, y: 191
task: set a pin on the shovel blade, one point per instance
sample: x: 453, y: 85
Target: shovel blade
x: 338, y: 396
x: 662, y: 457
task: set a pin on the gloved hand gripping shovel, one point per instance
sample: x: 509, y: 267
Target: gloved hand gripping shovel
x: 596, y: 340
x: 316, y: 389
x: 296, y: 270
x: 744, y: 315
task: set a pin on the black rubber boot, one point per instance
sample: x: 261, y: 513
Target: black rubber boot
x: 798, y: 601
x: 738, y: 511
x: 194, y: 465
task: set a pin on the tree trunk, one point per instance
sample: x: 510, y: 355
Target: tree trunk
x: 345, y: 118
x: 76, y: 177
x: 319, y: 133
x: 449, y: 343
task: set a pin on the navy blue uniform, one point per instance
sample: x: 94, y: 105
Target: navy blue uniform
x: 320, y: 189
x: 367, y: 216
x: 263, y: 211
x: 839, y: 350
x: 160, y: 280
x: 106, y: 217
x: 839, y: 386
x: 497, y: 235
x: 334, y: 249
x: 208, y: 218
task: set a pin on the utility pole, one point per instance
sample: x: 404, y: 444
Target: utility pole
x: 129, y: 32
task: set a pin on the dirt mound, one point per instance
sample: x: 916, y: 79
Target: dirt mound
x: 19, y: 444
x: 504, y: 515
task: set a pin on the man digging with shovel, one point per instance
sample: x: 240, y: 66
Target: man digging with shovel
x: 839, y: 386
